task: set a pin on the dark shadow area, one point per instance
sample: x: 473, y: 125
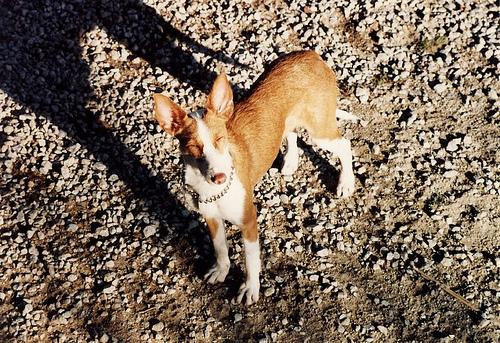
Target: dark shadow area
x: 328, y: 174
x: 41, y: 67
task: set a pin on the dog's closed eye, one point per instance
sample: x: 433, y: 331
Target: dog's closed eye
x: 218, y: 141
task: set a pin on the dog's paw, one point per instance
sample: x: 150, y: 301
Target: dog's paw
x: 250, y: 291
x: 290, y: 164
x: 345, y: 187
x: 217, y: 273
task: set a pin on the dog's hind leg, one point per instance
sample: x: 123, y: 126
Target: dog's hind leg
x: 325, y: 134
x: 291, y: 158
x: 341, y: 148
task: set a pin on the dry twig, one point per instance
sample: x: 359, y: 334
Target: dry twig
x: 448, y: 290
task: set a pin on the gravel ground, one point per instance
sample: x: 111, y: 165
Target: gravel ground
x: 95, y: 244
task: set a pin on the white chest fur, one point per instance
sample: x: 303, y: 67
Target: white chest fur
x: 229, y: 207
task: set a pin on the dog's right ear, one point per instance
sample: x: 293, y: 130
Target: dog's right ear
x: 169, y: 115
x: 220, y: 99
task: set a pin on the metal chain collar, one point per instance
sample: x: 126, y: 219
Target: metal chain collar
x: 212, y: 198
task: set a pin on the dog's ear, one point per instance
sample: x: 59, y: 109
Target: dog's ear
x: 169, y: 115
x: 220, y: 99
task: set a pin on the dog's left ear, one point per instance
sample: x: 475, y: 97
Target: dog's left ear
x: 220, y: 99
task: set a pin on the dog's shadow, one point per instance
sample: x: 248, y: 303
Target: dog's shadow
x: 328, y: 175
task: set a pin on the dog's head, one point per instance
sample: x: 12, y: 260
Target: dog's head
x: 202, y: 135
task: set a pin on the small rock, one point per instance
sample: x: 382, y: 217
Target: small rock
x: 100, y: 166
x: 383, y: 329
x: 323, y: 252
x: 149, y: 231
x: 158, y: 327
x: 109, y: 290
x: 103, y: 231
x: 453, y: 144
x: 450, y: 173
x: 440, y: 88
x: 446, y: 262
x: 363, y: 94
x: 104, y: 338
x: 269, y: 291
x: 27, y: 309
x: 314, y: 277
x: 67, y: 314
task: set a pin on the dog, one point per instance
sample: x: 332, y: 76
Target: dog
x: 227, y: 148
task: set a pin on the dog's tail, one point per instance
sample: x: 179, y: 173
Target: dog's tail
x: 344, y: 115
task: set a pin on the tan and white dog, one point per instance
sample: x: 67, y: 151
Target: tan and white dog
x: 228, y: 147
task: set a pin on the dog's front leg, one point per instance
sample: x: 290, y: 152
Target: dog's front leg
x: 250, y: 288
x: 218, y: 234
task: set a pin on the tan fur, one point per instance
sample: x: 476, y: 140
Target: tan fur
x: 213, y: 226
x: 299, y: 91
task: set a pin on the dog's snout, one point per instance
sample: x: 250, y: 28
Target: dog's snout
x: 219, y: 178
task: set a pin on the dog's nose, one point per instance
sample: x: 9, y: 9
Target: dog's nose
x: 219, y: 178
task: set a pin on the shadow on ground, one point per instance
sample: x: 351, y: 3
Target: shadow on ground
x: 42, y: 68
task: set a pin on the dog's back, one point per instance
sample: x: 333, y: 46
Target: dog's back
x: 297, y: 90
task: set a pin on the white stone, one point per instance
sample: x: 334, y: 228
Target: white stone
x: 363, y: 94
x: 453, y: 144
x: 109, y: 290
x: 158, y: 327
x: 383, y: 329
x: 440, y: 88
x: 149, y: 231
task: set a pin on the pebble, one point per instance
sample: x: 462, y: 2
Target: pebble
x: 323, y: 252
x: 447, y: 262
x: 149, y: 231
x: 363, y: 94
x: 383, y: 329
x: 440, y: 88
x: 450, y: 173
x: 453, y: 144
x: 158, y: 327
x: 103, y: 231
x: 28, y: 308
x: 269, y: 291
x: 109, y: 290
